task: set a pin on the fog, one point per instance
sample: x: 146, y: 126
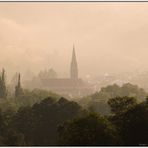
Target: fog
x: 108, y: 37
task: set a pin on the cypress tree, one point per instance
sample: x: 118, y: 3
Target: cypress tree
x: 3, y: 89
x: 18, y: 88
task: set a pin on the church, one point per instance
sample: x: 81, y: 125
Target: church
x: 69, y: 87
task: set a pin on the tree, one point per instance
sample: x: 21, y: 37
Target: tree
x: 133, y: 91
x: 39, y: 122
x: 18, y: 88
x: 13, y: 138
x: 134, y: 125
x: 99, y: 107
x: 127, y: 89
x: 9, y: 136
x: 98, y: 101
x: 90, y: 130
x: 3, y: 89
x: 119, y: 105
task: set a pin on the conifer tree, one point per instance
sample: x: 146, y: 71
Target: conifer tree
x: 3, y: 89
x: 18, y: 88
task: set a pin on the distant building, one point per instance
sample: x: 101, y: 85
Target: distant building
x: 73, y: 86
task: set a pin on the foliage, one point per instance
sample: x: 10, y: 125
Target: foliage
x: 39, y: 122
x: 133, y: 125
x: 28, y: 98
x: 8, y: 136
x: 113, y: 91
x: 42, y: 118
x: 61, y: 122
x: 3, y: 89
x: 132, y: 121
x: 99, y: 107
x: 90, y: 130
x: 18, y: 88
x: 119, y: 105
x: 98, y: 101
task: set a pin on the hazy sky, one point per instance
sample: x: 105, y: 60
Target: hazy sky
x: 108, y: 37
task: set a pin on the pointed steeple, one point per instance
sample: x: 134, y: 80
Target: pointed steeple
x: 74, y: 54
x: 74, y: 66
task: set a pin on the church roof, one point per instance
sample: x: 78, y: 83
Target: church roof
x: 64, y: 83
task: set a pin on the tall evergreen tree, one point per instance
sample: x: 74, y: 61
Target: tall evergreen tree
x: 18, y: 88
x: 3, y: 89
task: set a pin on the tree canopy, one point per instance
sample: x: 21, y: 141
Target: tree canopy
x: 90, y: 130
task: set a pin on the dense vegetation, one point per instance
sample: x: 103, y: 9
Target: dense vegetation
x: 63, y: 122
x: 98, y: 101
x: 42, y: 118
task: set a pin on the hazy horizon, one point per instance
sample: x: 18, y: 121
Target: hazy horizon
x: 108, y: 37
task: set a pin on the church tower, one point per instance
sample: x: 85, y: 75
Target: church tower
x: 74, y: 66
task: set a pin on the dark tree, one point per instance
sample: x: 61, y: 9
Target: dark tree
x: 18, y: 88
x: 91, y: 130
x: 119, y: 105
x: 9, y: 136
x: 39, y: 122
x: 3, y: 89
x: 133, y: 125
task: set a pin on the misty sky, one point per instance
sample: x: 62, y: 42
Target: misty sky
x: 108, y: 37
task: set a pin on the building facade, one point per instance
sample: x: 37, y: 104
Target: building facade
x: 70, y: 87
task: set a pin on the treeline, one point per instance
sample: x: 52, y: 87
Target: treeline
x: 65, y: 123
x: 113, y: 116
x: 14, y: 97
x: 37, y: 125
x: 4, y: 90
x: 98, y: 101
x: 126, y: 125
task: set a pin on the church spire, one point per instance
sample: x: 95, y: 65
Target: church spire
x: 74, y: 54
x: 74, y: 66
